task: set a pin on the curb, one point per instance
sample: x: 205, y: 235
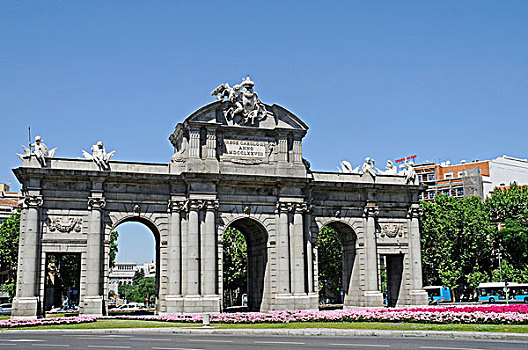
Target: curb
x: 321, y: 332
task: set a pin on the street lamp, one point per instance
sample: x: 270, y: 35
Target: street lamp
x: 498, y: 253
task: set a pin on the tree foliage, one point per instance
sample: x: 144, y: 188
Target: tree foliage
x: 330, y: 262
x: 9, y: 236
x: 235, y: 263
x: 114, y: 235
x: 460, y: 238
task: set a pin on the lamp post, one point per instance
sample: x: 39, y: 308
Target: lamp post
x: 498, y: 253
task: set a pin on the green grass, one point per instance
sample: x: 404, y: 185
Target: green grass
x: 107, y: 324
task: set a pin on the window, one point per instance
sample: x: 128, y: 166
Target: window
x: 460, y: 173
x: 420, y: 197
x: 420, y: 178
x: 448, y: 176
x: 431, y: 177
x: 460, y: 191
x: 431, y: 195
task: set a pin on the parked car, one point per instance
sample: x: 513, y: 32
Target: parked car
x: 131, y: 307
x: 5, y: 309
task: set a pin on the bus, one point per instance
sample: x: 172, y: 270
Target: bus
x: 438, y: 294
x: 492, y: 292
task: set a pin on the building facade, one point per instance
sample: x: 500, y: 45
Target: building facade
x: 477, y: 178
x: 237, y: 163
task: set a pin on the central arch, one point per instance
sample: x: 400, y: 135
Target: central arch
x: 256, y: 238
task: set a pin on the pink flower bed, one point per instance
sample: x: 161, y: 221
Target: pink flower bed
x: 492, y: 314
x: 29, y: 322
x: 511, y: 314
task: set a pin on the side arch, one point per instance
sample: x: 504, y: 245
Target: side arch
x: 349, y: 257
x: 157, y: 225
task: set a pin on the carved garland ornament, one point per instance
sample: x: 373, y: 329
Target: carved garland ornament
x: 391, y: 230
x: 66, y: 226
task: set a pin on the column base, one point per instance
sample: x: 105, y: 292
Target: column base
x: 92, y: 306
x: 201, y: 303
x: 26, y: 307
x: 373, y: 298
x: 418, y: 297
x: 174, y: 304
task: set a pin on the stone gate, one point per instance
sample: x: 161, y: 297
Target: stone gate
x: 237, y: 162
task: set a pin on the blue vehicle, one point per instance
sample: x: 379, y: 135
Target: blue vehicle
x: 438, y: 294
x: 493, y: 292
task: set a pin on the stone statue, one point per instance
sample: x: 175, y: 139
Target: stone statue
x: 408, y: 172
x: 99, y: 155
x: 244, y: 106
x: 41, y: 151
x: 368, y: 167
x: 390, y: 169
x: 347, y: 168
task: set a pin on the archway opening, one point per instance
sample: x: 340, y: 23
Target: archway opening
x: 62, y: 282
x: 336, y: 256
x: 243, y: 289
x: 133, y: 284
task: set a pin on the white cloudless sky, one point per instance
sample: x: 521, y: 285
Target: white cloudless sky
x: 385, y: 79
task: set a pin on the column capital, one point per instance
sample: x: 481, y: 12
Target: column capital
x: 211, y: 205
x: 31, y: 201
x: 196, y: 204
x: 370, y: 210
x: 96, y: 203
x: 414, y: 211
x: 178, y: 205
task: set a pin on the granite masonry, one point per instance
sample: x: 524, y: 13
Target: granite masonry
x: 237, y: 162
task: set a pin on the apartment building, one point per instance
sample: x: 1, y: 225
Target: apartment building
x: 475, y: 178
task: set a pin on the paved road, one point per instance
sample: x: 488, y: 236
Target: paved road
x: 234, y: 342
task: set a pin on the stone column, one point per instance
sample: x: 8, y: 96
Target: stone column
x: 283, y: 250
x: 174, y: 245
x: 209, y: 253
x: 193, y: 249
x: 211, y: 144
x: 283, y: 148
x: 418, y: 296
x: 174, y: 300
x: 194, y: 143
x: 26, y: 302
x: 373, y: 297
x: 93, y: 300
x: 297, y: 149
x: 297, y: 259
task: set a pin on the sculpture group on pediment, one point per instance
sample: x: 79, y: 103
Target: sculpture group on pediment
x: 99, y: 155
x: 40, y: 152
x: 244, y: 106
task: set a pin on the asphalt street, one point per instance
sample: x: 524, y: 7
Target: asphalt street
x: 58, y: 340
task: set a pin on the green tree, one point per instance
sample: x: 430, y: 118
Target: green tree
x: 114, y: 235
x: 9, y: 236
x: 235, y: 264
x: 330, y: 262
x: 456, y: 242
x: 138, y: 276
x: 508, y: 209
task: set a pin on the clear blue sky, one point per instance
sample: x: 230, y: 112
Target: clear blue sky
x: 441, y: 79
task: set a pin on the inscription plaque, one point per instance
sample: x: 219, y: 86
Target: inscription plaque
x: 243, y: 148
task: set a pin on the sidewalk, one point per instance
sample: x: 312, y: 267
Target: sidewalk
x: 322, y: 332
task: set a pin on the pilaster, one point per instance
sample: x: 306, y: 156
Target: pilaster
x: 26, y: 302
x: 418, y: 296
x: 373, y: 296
